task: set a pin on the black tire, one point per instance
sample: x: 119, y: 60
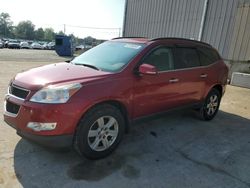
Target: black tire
x: 89, y: 122
x: 208, y: 113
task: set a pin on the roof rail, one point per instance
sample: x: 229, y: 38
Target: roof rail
x: 129, y: 38
x: 176, y: 38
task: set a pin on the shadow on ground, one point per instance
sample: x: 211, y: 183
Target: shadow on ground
x: 175, y: 150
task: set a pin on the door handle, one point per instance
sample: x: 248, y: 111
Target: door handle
x: 173, y: 80
x: 203, y: 75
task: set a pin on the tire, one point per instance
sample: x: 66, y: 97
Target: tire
x: 99, y: 132
x: 211, y: 105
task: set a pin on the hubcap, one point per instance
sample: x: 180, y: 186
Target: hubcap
x: 103, y: 133
x: 212, y: 105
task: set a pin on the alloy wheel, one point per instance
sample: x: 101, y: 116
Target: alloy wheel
x: 212, y: 105
x: 103, y: 133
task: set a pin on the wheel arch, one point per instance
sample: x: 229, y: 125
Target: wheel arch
x: 122, y: 108
x: 218, y: 87
x: 119, y: 105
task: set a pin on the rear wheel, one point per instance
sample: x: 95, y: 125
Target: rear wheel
x: 211, y: 105
x: 100, y: 131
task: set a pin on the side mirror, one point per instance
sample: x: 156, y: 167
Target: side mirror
x: 147, y: 69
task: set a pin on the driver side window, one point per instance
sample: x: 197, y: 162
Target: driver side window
x: 161, y: 58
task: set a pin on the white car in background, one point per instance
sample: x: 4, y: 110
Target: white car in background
x: 45, y: 45
x: 51, y: 46
x: 36, y: 45
x: 24, y: 45
x: 13, y: 44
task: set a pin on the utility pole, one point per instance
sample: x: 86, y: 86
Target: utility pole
x: 64, y: 29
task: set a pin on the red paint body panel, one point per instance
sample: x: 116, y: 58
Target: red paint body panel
x: 36, y: 78
x: 141, y: 95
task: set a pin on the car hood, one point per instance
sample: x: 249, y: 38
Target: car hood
x: 57, y: 74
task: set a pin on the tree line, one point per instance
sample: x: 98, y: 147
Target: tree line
x: 24, y: 30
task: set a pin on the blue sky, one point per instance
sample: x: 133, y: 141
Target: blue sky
x: 56, y: 13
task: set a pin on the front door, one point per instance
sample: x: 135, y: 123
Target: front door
x: 156, y: 93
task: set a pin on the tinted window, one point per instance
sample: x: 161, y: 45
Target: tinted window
x: 161, y: 58
x: 208, y: 56
x: 186, y: 58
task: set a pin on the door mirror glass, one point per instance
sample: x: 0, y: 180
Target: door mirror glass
x: 147, y: 69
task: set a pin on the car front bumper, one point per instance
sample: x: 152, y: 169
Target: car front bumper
x: 52, y: 141
x: 62, y: 141
x: 55, y: 141
x: 66, y: 117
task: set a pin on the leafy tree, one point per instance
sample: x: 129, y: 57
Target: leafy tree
x: 49, y: 34
x: 89, y: 40
x: 5, y: 25
x: 39, y: 34
x: 60, y: 33
x: 25, y: 30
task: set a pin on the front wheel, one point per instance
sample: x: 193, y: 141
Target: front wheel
x: 100, y: 131
x: 211, y: 105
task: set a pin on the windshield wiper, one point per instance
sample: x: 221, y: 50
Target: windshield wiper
x: 88, y: 65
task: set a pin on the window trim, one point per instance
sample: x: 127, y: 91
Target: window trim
x: 173, y: 47
x: 189, y: 68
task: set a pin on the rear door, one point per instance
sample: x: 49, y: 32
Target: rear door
x: 191, y: 75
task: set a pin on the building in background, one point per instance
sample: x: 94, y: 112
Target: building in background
x: 225, y: 24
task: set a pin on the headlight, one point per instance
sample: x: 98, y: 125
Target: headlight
x: 55, y: 94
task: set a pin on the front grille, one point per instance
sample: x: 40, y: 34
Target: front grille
x: 18, y: 92
x: 12, y: 108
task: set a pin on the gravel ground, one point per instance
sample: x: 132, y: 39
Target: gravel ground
x: 31, y: 56
x: 174, y: 150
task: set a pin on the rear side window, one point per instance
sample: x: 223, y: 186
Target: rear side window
x: 208, y: 56
x: 186, y: 58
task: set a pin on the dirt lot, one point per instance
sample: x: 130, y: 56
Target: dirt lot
x: 174, y: 150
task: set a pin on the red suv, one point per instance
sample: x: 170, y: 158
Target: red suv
x: 90, y: 101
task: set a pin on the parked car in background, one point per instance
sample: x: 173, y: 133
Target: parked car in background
x: 83, y: 47
x: 89, y: 102
x: 4, y: 40
x: 51, y: 46
x: 1, y: 44
x: 14, y: 44
x: 79, y: 47
x: 6, y: 44
x: 36, y: 45
x: 24, y: 45
x: 45, y: 45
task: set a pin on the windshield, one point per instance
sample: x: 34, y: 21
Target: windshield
x: 109, y: 56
